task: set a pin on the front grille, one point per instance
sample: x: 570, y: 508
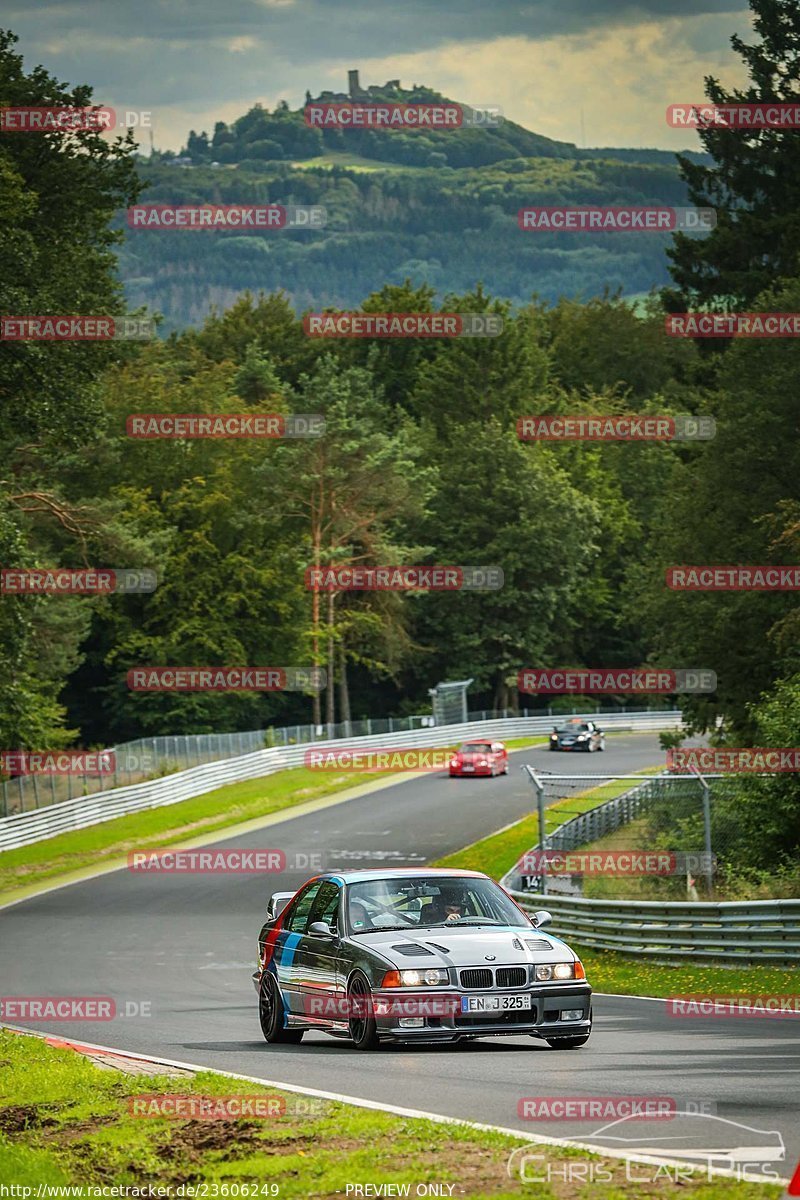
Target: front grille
x: 511, y: 976
x: 476, y: 977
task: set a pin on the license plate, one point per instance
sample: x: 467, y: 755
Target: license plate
x: 474, y: 1004
x: 467, y: 768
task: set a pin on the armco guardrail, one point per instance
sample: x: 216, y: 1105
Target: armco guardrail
x: 21, y: 829
x: 739, y: 931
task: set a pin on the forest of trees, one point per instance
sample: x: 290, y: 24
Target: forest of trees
x: 420, y: 463
x: 446, y: 228
x: 437, y: 208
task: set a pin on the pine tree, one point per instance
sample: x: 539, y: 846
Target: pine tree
x: 754, y: 182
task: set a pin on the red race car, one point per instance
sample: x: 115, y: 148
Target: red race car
x: 479, y: 757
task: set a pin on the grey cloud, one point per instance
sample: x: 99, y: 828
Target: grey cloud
x: 175, y: 52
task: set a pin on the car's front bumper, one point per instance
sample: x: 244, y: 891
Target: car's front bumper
x: 543, y: 1019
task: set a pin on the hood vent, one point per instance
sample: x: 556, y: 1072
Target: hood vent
x: 538, y: 944
x: 413, y: 951
x: 441, y: 949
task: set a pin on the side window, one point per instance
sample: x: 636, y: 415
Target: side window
x: 297, y: 921
x: 326, y: 905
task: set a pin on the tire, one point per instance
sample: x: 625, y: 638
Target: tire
x: 363, y: 1030
x: 505, y: 769
x: 270, y: 1014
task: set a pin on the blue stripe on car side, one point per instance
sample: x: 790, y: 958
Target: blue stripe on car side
x: 288, y: 948
x: 287, y: 957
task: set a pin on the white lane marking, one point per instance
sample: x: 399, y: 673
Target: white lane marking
x: 420, y: 1114
x: 225, y: 966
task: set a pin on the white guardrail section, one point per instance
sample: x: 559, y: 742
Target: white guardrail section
x: 22, y: 829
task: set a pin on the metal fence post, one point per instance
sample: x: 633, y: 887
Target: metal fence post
x: 709, y: 872
x: 537, y: 783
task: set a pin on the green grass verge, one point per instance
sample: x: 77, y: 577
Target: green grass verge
x: 627, y: 975
x: 352, y: 162
x: 225, y: 806
x: 64, y: 1121
x: 43, y: 862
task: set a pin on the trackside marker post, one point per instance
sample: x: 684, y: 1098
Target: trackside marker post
x: 537, y: 783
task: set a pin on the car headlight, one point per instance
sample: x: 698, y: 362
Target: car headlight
x: 553, y: 737
x: 582, y: 737
x: 430, y: 977
x: 556, y: 971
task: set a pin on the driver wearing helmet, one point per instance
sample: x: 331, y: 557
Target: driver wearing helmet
x: 445, y: 909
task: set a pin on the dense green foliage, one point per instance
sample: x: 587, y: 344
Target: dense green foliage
x: 753, y: 181
x: 58, y: 194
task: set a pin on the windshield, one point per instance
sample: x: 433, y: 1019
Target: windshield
x: 423, y: 903
x: 475, y: 748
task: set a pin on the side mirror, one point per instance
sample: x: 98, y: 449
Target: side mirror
x: 277, y: 903
x: 321, y: 929
x: 542, y: 917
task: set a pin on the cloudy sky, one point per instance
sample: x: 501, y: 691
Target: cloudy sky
x: 550, y: 64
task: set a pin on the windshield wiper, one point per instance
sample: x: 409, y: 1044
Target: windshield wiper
x: 477, y: 921
x: 382, y: 929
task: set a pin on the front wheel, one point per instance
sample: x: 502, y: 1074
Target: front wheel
x: 270, y: 1014
x: 363, y: 1029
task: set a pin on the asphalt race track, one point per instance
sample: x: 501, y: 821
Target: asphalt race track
x: 185, y: 944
